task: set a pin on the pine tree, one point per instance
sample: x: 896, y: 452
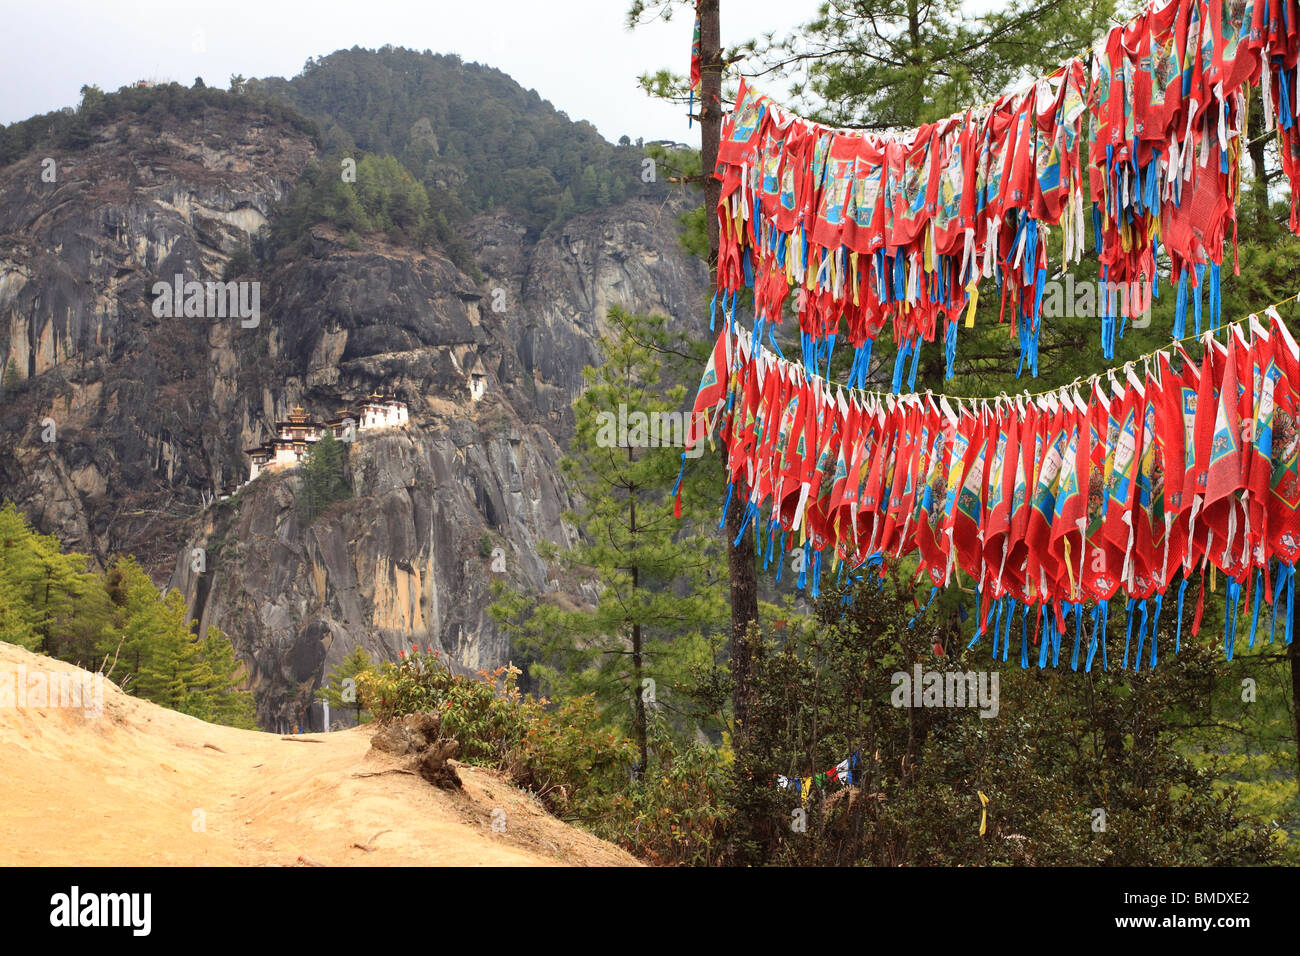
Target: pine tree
x: 13, y: 628
x: 217, y: 693
x: 170, y: 656
x: 899, y: 63
x: 340, y: 689
x: 658, y: 593
x: 141, y: 626
x: 45, y: 584
x: 50, y: 602
x: 323, y: 478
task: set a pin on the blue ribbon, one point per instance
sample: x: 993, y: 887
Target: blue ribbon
x: 1107, y: 319
x: 1128, y: 631
x: 1155, y: 622
x: 1006, y: 635
x: 1280, y: 582
x: 899, y: 360
x: 916, y: 360
x: 1200, y: 285
x: 1233, y: 595
x: 1290, y: 599
x: 751, y: 513
x: 978, y: 630
x: 997, y: 628
x: 1024, y: 638
x: 921, y: 613
x: 950, y: 349
x: 1284, y: 116
x: 771, y: 337
x: 1254, y: 614
x: 1178, y: 636
x: 1142, y: 637
x: 1077, y: 609
x: 1180, y: 306
x: 1216, y: 301
x: 1098, y: 624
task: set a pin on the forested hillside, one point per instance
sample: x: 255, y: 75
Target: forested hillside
x: 146, y: 108
x: 115, y: 620
x: 442, y: 290
x: 468, y: 132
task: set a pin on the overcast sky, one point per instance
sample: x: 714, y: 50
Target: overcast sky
x: 576, y: 53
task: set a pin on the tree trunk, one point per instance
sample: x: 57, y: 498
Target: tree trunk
x: 638, y: 719
x: 744, y: 585
x: 1295, y: 692
x: 638, y: 701
x: 45, y: 616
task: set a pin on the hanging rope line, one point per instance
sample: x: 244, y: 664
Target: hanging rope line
x: 1144, y: 358
x: 870, y: 231
x: 1045, y: 502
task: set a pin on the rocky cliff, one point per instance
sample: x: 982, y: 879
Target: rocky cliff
x: 123, y: 423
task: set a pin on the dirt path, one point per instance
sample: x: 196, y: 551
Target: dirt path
x: 140, y: 785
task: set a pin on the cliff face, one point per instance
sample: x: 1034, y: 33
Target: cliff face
x: 151, y: 414
x: 128, y: 395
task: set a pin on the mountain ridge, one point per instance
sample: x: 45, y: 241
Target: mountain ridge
x: 152, y: 415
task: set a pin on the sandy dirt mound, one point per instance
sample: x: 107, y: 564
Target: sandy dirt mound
x: 140, y: 785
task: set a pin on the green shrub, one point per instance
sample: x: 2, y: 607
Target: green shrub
x: 572, y: 761
x: 487, y: 713
x: 677, y: 814
x: 568, y: 755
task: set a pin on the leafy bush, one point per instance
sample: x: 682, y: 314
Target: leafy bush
x: 486, y: 713
x: 678, y: 813
x: 570, y: 759
x: 1061, y: 745
x: 567, y: 755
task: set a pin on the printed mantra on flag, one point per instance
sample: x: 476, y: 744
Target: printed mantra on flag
x: 1043, y: 503
x: 900, y: 229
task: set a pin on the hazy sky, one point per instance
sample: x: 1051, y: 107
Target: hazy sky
x: 576, y: 53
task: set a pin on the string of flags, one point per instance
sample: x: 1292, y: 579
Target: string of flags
x: 899, y: 230
x: 845, y: 773
x: 1119, y: 487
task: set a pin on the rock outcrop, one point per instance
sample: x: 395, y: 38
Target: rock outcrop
x: 151, y: 415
